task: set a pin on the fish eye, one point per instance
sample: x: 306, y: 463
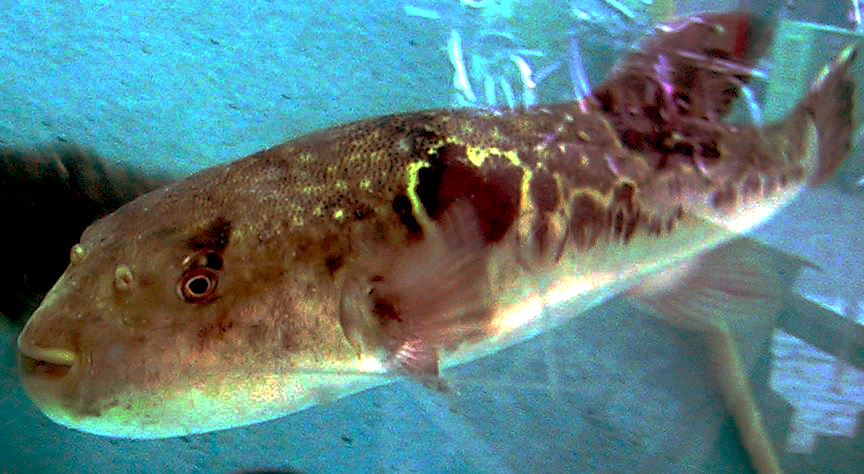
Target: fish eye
x: 198, y: 286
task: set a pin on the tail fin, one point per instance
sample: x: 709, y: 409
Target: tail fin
x: 830, y: 107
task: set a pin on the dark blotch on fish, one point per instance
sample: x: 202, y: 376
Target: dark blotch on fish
x: 214, y: 237
x: 333, y: 263
x: 544, y: 191
x: 402, y: 207
x: 587, y: 217
x: 493, y: 194
x: 385, y: 310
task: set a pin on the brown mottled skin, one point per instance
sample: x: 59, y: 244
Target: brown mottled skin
x: 406, y: 238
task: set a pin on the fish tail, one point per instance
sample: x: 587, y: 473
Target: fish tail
x: 830, y: 108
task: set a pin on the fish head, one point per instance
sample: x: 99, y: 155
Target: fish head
x: 175, y: 316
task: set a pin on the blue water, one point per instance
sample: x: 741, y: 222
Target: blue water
x: 179, y: 88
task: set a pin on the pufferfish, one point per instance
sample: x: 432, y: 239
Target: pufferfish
x: 406, y: 244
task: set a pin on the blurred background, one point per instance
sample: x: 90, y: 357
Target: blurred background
x: 174, y: 88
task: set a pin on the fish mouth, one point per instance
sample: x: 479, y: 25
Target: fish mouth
x: 45, y: 363
x: 51, y: 378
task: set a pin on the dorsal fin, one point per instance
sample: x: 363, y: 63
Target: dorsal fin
x: 692, y: 68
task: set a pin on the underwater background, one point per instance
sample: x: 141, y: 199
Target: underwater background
x: 174, y: 88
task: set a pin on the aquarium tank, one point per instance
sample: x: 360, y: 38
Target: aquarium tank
x: 174, y: 88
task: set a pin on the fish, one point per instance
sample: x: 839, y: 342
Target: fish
x: 400, y: 246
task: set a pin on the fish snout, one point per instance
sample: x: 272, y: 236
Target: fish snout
x: 50, y: 369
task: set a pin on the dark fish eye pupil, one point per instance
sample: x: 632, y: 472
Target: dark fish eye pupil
x: 198, y: 285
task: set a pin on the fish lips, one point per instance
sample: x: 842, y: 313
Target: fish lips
x: 50, y: 378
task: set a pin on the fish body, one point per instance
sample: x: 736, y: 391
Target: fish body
x: 405, y: 244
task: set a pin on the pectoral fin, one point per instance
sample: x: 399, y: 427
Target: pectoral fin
x: 428, y: 298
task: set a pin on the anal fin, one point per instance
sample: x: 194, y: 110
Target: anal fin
x: 730, y: 296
